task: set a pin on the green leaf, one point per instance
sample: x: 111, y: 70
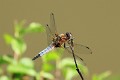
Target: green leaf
x: 30, y: 72
x: 53, y: 55
x: 47, y: 75
x: 67, y: 62
x: 19, y: 69
x: 68, y: 65
x: 48, y: 67
x: 1, y: 60
x: 6, y: 59
x: 24, y: 66
x: 33, y: 27
x: 101, y: 76
x: 95, y: 77
x: 19, y: 28
x: 113, y: 77
x: 83, y: 69
x: 70, y: 73
x: 26, y: 62
x: 1, y: 71
x: 8, y: 38
x: 4, y: 78
x: 18, y: 46
x: 104, y: 75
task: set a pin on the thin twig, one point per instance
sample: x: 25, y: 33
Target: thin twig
x: 76, y: 64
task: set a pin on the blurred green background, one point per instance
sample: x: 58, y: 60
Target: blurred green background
x: 92, y: 22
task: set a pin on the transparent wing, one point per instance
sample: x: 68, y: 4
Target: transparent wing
x: 81, y: 49
x: 49, y: 35
x: 69, y: 51
x: 51, y: 30
x: 52, y: 24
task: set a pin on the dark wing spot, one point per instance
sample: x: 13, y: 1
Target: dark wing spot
x: 88, y: 47
x: 52, y: 13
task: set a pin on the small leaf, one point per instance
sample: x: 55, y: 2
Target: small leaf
x: 8, y: 38
x: 70, y: 73
x: 95, y: 77
x: 67, y: 62
x: 31, y: 72
x: 104, y: 75
x: 1, y: 60
x: 34, y: 27
x: 24, y: 66
x: 7, y: 59
x: 26, y: 62
x: 83, y: 69
x: 18, y: 46
x: 47, y: 67
x: 19, y: 69
x: 53, y: 55
x: 101, y: 76
x: 4, y: 78
x: 19, y: 28
x: 68, y: 65
x: 113, y: 77
x: 1, y: 71
x: 47, y: 75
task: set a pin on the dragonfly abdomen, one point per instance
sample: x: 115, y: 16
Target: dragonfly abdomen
x: 46, y: 50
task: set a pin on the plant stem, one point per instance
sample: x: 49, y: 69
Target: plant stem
x: 16, y: 56
x: 57, y: 71
x: 76, y: 64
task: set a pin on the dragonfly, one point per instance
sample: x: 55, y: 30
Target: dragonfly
x: 65, y: 40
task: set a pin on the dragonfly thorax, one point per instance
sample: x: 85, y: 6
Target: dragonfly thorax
x: 62, y: 38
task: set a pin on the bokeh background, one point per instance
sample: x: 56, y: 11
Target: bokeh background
x: 95, y: 23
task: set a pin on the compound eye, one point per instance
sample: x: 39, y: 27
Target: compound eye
x: 68, y: 35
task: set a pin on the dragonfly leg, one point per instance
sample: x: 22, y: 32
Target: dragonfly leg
x: 64, y: 45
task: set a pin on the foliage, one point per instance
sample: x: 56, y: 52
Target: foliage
x: 19, y: 67
x: 53, y: 66
x: 63, y: 67
x: 102, y: 76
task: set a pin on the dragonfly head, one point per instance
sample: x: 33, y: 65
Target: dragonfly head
x: 69, y: 35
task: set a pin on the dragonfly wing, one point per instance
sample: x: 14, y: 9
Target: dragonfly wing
x: 51, y: 30
x: 49, y: 35
x: 81, y: 49
x: 68, y: 50
x: 52, y: 24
